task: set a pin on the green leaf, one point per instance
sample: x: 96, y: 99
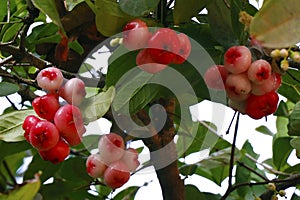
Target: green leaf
x: 294, y: 121
x: 187, y: 170
x: 281, y: 125
x: 138, y: 8
x: 184, y: 10
x: 7, y: 88
x: 265, y: 130
x: 11, y: 32
x: 96, y: 106
x: 76, y: 46
x: 128, y: 193
x: 282, y: 109
x: 277, y: 31
x: 295, y: 143
x: 11, y: 125
x: 49, y: 8
x: 193, y: 193
x: 10, y: 148
x: 290, y: 87
x: 281, y: 151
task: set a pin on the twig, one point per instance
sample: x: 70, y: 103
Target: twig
x: 12, y: 104
x: 10, y: 174
x: 252, y: 170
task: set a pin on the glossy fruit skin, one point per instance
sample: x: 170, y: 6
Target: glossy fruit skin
x: 44, y: 135
x: 263, y: 105
x: 50, y: 79
x: 237, y: 87
x: 95, y: 167
x: 28, y: 123
x: 163, y: 46
x: 259, y: 71
x: 215, y: 77
x: 46, y: 106
x: 130, y: 158
x: 145, y: 62
x: 116, y: 175
x: 56, y: 154
x: 135, y: 35
x: 73, y: 91
x: 185, y: 49
x: 68, y: 120
x: 111, y: 148
x: 237, y: 59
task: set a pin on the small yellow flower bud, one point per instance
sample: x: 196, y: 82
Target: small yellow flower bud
x: 275, y: 53
x: 282, y: 193
x: 271, y: 186
x: 295, y: 56
x: 284, y: 65
x: 114, y: 42
x: 284, y: 53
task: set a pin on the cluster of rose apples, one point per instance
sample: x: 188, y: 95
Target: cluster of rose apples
x: 112, y: 163
x: 250, y: 85
x: 56, y: 127
x: 158, y: 49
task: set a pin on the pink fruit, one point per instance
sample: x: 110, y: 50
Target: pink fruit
x: 68, y: 120
x: 130, y: 158
x: 73, y: 91
x: 215, y: 77
x: 237, y: 59
x: 271, y: 84
x: 56, y: 154
x: 94, y: 166
x: 50, y: 78
x: 46, y: 106
x: 185, y: 49
x: 116, y: 175
x: 111, y: 148
x: 259, y: 71
x: 44, y: 135
x: 28, y: 123
x: 135, y: 35
x: 237, y: 87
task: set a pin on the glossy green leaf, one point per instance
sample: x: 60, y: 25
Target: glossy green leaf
x: 265, y: 130
x: 188, y: 170
x: 290, y: 87
x: 10, y: 148
x: 11, y: 125
x: 294, y: 121
x: 281, y: 151
x: 75, y: 45
x: 295, y: 143
x: 7, y: 88
x: 138, y: 8
x: 11, y: 32
x: 96, y: 106
x: 193, y: 193
x: 277, y: 31
x: 49, y: 8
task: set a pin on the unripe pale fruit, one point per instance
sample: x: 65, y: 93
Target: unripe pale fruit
x: 44, y: 135
x: 116, y: 175
x: 46, y: 106
x: 73, y: 91
x: 130, y: 158
x: 135, y: 35
x: 237, y: 59
x: 185, y: 49
x: 50, y: 78
x: 111, y: 148
x: 215, y: 77
x: 56, y: 154
x: 28, y: 123
x: 259, y: 71
x: 237, y: 87
x: 94, y: 166
x: 68, y: 120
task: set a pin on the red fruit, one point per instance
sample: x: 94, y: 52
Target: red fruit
x: 237, y: 87
x: 50, y: 78
x: 116, y: 175
x: 135, y: 35
x: 44, y: 135
x: 73, y: 91
x: 259, y: 71
x: 261, y: 106
x: 237, y: 59
x: 271, y: 84
x: 94, y: 166
x: 163, y: 46
x: 56, y: 154
x: 130, y: 158
x: 68, y: 120
x: 185, y: 49
x: 111, y: 148
x: 46, y: 106
x: 146, y: 63
x: 28, y: 123
x: 215, y: 77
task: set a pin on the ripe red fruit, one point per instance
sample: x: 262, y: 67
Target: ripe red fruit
x: 164, y: 45
x: 259, y: 71
x: 111, y: 148
x: 146, y: 62
x: 56, y: 154
x: 68, y: 120
x: 215, y: 77
x: 237, y: 59
x: 271, y: 84
x: 28, y: 123
x: 237, y: 87
x: 94, y: 166
x: 261, y: 106
x: 44, y: 135
x: 73, y: 91
x: 130, y: 158
x: 185, y: 49
x: 135, y: 35
x: 116, y: 175
x: 46, y: 106
x: 50, y: 78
